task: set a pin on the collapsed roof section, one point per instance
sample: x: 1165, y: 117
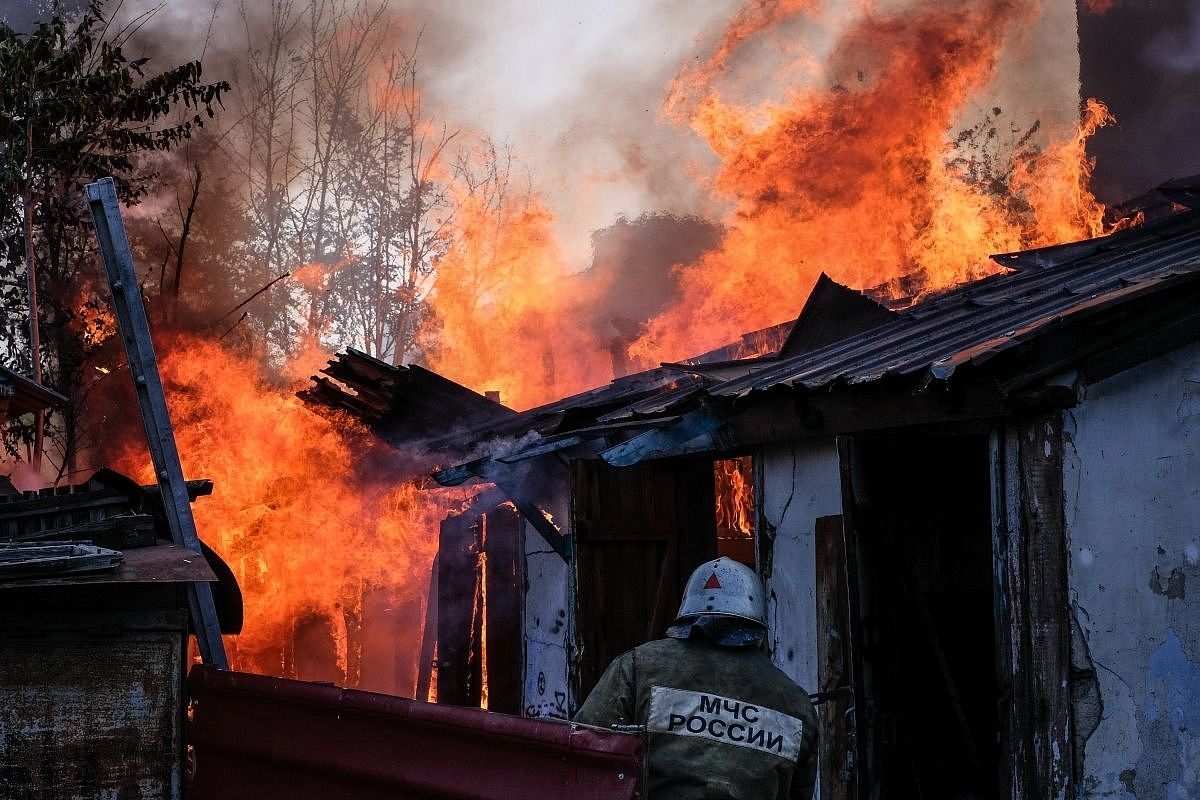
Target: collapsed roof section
x: 401, y: 404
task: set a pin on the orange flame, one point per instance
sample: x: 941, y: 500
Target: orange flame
x: 858, y: 180
x: 735, y: 498
x: 314, y: 276
x: 93, y: 322
x: 861, y: 180
x: 327, y: 558
x: 503, y: 306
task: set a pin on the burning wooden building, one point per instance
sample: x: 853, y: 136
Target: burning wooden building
x: 974, y: 513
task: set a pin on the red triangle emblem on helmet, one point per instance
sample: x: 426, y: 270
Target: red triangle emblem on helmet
x: 713, y: 583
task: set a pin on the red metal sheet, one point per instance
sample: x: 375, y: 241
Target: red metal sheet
x: 261, y: 737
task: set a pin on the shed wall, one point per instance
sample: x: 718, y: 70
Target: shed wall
x: 800, y: 482
x: 1132, y: 475
x: 548, y: 616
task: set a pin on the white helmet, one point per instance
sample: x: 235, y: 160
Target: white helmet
x: 725, y: 588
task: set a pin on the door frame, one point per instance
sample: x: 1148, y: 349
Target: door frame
x: 1032, y: 616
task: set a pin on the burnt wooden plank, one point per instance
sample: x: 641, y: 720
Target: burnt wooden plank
x: 428, y: 635
x: 858, y: 739
x: 118, y: 532
x: 1047, y: 628
x: 833, y: 673
x: 505, y: 631
x: 458, y: 583
x: 1009, y: 606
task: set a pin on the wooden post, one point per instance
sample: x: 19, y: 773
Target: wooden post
x: 152, y: 402
x: 503, y: 644
x: 859, y: 732
x: 1047, y: 629
x: 428, y: 635
x: 458, y: 627
x: 834, y: 676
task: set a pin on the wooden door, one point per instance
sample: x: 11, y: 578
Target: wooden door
x: 639, y: 531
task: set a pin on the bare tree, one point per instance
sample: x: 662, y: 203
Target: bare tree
x: 343, y: 177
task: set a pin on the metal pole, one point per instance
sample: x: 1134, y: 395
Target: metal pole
x: 139, y: 351
x: 35, y: 337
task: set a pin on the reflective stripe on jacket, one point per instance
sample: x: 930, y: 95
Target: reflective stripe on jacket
x: 722, y: 722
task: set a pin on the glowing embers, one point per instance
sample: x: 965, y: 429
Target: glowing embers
x: 733, y: 481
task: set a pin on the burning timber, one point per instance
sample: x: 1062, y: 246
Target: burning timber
x: 962, y: 505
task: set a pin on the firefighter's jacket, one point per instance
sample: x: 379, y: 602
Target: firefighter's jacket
x: 721, y: 722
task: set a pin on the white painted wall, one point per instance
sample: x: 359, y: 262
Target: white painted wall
x: 1132, y: 475
x: 800, y: 482
x: 548, y: 623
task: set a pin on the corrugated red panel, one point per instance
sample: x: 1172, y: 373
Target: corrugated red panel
x: 261, y: 737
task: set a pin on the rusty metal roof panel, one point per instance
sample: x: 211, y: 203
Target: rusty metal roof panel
x: 990, y: 315
x: 256, y: 736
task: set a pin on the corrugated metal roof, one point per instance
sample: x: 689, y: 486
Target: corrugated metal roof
x: 1038, y: 292
x: 977, y: 320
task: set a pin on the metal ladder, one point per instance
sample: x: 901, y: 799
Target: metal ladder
x: 139, y: 351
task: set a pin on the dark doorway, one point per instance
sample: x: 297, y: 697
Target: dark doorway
x: 918, y: 510
x: 478, y: 619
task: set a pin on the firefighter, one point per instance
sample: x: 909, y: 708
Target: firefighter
x: 721, y: 720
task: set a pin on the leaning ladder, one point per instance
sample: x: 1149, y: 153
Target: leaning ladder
x: 139, y: 351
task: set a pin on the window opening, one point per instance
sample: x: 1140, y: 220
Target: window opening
x: 733, y: 480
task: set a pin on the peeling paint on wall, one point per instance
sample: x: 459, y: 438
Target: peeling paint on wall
x: 1132, y: 494
x: 801, y: 482
x: 1171, y: 718
x: 1173, y: 588
x: 1087, y: 703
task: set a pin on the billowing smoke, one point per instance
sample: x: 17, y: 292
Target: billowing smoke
x: 634, y: 277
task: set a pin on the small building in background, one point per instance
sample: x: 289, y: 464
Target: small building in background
x: 20, y: 395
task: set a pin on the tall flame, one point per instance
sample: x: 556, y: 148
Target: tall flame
x: 735, y: 497
x: 503, y: 305
x: 862, y: 179
x: 858, y: 180
x: 328, y: 555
